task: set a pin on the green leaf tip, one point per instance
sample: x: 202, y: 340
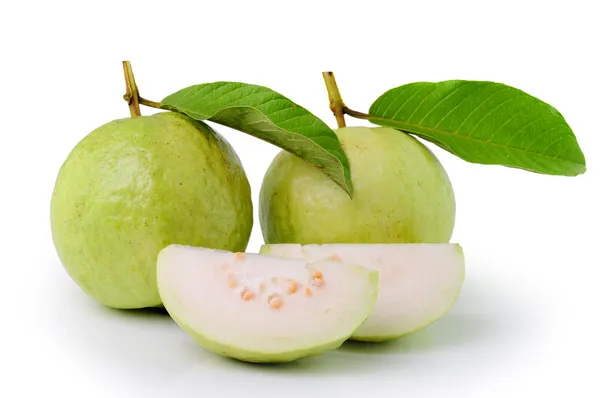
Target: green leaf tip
x: 269, y: 116
x: 484, y: 122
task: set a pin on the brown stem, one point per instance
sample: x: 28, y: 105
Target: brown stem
x: 132, y: 94
x: 336, y: 103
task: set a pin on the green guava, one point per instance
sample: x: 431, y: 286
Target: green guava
x: 134, y: 186
x: 402, y: 194
x: 259, y: 308
x: 418, y: 283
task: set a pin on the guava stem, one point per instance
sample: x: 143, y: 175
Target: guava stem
x: 356, y: 114
x: 132, y: 94
x: 336, y: 103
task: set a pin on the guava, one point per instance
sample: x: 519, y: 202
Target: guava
x: 133, y: 186
x: 259, y: 308
x: 418, y: 283
x: 402, y: 194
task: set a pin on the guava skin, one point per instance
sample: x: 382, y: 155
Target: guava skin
x: 258, y: 357
x: 261, y: 357
x: 134, y: 186
x: 402, y: 194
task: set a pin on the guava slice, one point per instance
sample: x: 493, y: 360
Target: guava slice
x: 418, y: 283
x: 258, y: 308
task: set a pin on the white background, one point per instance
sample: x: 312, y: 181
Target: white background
x: 526, y: 322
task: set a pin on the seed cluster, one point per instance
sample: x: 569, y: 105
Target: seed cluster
x: 275, y: 300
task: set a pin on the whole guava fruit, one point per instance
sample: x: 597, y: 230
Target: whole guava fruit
x: 134, y: 186
x: 402, y: 194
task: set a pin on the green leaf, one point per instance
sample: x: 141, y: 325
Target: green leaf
x: 268, y: 115
x: 484, y: 122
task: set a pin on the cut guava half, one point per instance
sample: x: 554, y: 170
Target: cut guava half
x: 418, y: 283
x: 259, y: 308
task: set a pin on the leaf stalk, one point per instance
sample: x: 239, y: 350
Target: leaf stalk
x: 356, y: 114
x: 151, y: 104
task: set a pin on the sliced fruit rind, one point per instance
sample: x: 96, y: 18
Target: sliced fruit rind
x: 418, y: 283
x: 255, y: 356
x: 317, y: 305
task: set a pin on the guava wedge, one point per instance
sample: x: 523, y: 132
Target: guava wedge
x: 258, y: 308
x: 418, y: 283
